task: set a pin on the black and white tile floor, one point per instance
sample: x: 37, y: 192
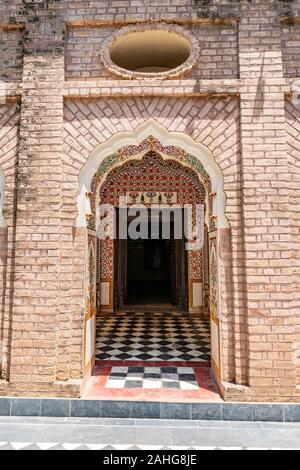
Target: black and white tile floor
x: 153, y: 337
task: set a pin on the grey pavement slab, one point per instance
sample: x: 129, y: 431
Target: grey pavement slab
x: 86, y: 433
x: 212, y: 437
x: 11, y: 433
x: 154, y: 436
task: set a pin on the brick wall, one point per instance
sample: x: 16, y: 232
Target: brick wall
x: 218, y: 57
x: 141, y: 9
x: 265, y: 176
x: 293, y: 134
x: 289, y: 8
x: 10, y: 10
x: 38, y: 316
x: 9, y: 125
x: 11, y: 55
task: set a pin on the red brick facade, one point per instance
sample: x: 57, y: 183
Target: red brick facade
x: 58, y: 104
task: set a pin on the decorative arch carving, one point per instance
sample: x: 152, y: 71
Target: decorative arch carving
x: 152, y: 136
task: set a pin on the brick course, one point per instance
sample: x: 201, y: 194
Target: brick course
x: 219, y: 54
x: 292, y: 123
x: 67, y: 105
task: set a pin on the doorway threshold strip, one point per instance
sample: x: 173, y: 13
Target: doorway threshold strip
x: 152, y: 381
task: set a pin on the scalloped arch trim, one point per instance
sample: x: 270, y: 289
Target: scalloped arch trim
x: 199, y: 152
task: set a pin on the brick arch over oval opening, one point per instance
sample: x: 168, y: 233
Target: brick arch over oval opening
x: 198, y: 155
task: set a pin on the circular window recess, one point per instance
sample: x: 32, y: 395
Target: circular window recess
x: 150, y: 52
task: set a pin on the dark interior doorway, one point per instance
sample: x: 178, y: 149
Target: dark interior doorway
x: 151, y: 271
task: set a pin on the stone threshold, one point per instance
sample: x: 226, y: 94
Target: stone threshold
x: 48, y: 407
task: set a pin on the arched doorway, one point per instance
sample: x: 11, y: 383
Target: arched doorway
x: 2, y: 181
x: 127, y: 173
x: 154, y: 266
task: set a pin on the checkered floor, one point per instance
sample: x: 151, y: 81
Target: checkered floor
x: 152, y: 337
x: 180, y: 378
x: 21, y: 446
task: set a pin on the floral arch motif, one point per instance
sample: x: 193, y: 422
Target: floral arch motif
x: 152, y: 144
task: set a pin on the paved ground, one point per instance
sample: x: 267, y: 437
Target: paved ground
x: 107, y: 434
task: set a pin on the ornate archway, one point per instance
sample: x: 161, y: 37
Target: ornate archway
x: 192, y: 156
